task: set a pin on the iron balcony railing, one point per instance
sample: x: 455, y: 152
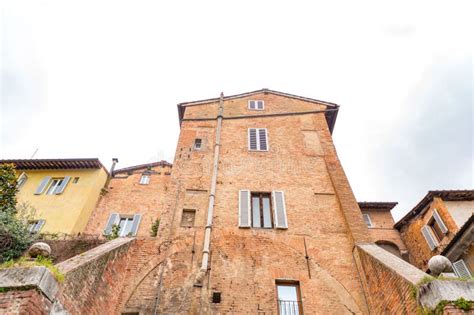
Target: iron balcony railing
x: 290, y: 307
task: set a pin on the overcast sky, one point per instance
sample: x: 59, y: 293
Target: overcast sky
x: 102, y: 79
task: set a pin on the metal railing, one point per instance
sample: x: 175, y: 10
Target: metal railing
x: 290, y: 307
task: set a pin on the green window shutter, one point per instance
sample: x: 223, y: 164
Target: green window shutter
x: 113, y: 219
x: 63, y: 185
x: 42, y: 186
x: 136, y: 222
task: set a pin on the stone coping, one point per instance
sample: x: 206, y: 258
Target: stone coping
x: 22, y: 278
x: 89, y: 256
x: 436, y: 291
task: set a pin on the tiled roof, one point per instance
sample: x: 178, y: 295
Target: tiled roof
x: 52, y: 164
x: 377, y: 205
x: 331, y: 114
x: 448, y: 195
x: 142, y: 166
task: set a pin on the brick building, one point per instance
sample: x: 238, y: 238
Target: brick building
x: 441, y: 223
x: 380, y: 222
x: 133, y: 199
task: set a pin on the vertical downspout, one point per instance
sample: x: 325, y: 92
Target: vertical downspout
x: 207, y: 235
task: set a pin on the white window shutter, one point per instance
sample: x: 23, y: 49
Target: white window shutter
x: 42, y: 185
x: 136, y: 222
x: 39, y: 226
x: 279, y: 210
x: 461, y: 270
x: 263, y: 139
x: 440, y: 222
x: 113, y: 218
x: 244, y: 208
x: 367, y: 219
x: 253, y: 139
x: 432, y: 242
x: 63, y: 185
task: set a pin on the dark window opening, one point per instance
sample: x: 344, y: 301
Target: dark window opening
x: 261, y: 210
x: 76, y: 179
x: 436, y: 229
x: 197, y: 144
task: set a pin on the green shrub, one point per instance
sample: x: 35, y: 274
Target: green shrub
x: 154, y: 228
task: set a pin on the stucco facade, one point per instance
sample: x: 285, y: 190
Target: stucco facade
x: 66, y: 212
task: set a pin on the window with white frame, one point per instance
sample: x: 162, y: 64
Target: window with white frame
x: 35, y: 226
x: 262, y: 210
x: 127, y: 225
x: 21, y: 180
x: 258, y: 139
x: 145, y: 179
x: 54, y: 186
x: 367, y: 219
x: 256, y: 105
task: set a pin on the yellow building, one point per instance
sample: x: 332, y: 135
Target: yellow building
x: 62, y: 191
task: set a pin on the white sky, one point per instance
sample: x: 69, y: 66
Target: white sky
x: 102, y: 79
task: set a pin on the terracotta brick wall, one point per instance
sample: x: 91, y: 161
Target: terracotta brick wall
x: 24, y: 302
x: 389, y: 281
x: 126, y: 196
x: 416, y: 244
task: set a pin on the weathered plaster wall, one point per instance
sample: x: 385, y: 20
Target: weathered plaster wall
x: 460, y: 211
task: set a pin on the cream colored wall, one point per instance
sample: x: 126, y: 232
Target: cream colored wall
x: 460, y: 211
x: 69, y: 211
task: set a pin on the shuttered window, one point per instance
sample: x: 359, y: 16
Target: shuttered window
x: 35, y: 226
x: 128, y: 224
x: 262, y: 210
x: 258, y: 139
x: 429, y: 237
x: 367, y: 219
x: 256, y: 105
x: 145, y: 180
x: 21, y: 180
x: 461, y: 269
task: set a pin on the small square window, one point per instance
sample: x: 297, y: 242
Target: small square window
x: 188, y: 217
x: 145, y: 180
x: 75, y: 180
x: 35, y: 226
x: 256, y: 105
x: 197, y: 144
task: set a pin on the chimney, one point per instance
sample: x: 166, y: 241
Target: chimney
x: 112, y: 168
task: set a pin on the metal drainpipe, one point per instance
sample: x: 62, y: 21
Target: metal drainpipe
x: 210, y: 210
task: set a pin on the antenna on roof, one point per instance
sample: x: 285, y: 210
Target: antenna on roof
x: 34, y: 153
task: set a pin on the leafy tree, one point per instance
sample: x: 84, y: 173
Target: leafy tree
x: 14, y: 235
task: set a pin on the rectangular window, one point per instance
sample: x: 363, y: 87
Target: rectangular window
x: 76, y: 180
x: 35, y: 226
x: 258, y: 139
x: 367, y: 220
x: 429, y: 236
x: 21, y: 180
x: 433, y: 224
x: 256, y: 105
x: 187, y: 219
x: 289, y: 298
x: 145, y: 180
x: 128, y: 224
x: 261, y: 211
x: 54, y: 186
x: 197, y: 144
x: 125, y: 225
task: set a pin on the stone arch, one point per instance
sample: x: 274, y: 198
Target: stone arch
x: 390, y: 247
